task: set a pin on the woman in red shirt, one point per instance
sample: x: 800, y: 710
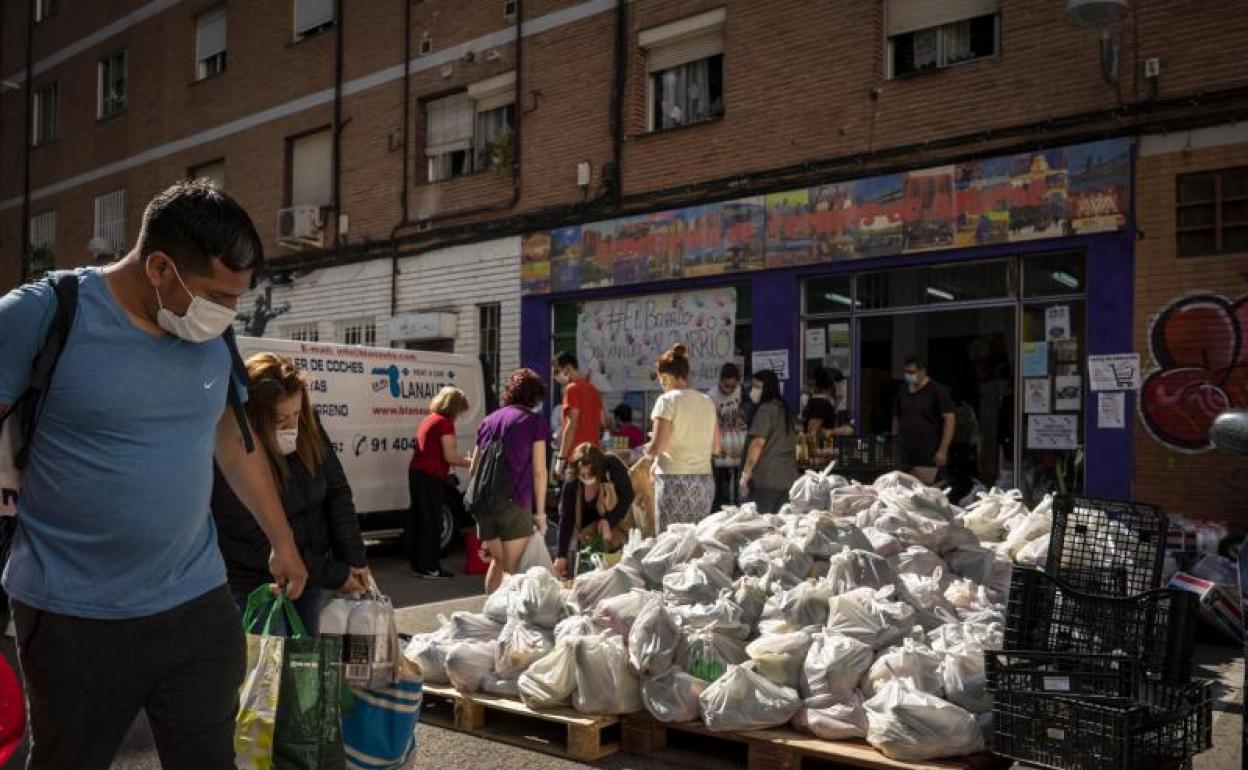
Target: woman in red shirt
x: 426, y: 476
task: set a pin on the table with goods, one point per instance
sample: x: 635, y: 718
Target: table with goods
x: 873, y: 617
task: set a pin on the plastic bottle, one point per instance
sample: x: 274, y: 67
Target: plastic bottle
x: 358, y: 647
x: 334, y: 619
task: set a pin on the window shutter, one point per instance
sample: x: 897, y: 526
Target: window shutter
x: 310, y: 14
x: 211, y: 34
x: 494, y: 92
x: 686, y: 50
x: 310, y: 170
x: 448, y: 124
x: 909, y: 15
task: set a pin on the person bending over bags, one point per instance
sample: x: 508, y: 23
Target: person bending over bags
x: 314, y: 493
x: 597, y: 505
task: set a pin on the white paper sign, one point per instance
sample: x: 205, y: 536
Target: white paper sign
x: 1057, y: 323
x: 1068, y: 394
x: 1052, y: 431
x: 1120, y: 371
x: 775, y: 360
x: 619, y: 340
x: 1036, y: 395
x: 1111, y: 409
x: 816, y: 342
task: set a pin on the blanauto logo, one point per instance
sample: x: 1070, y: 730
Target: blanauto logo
x: 393, y: 378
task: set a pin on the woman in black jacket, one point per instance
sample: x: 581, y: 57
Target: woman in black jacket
x: 314, y: 490
x: 599, y: 505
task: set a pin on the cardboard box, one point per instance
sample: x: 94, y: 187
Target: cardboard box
x: 1219, y: 604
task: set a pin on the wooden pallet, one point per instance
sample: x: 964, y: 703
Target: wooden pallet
x: 562, y: 732
x: 779, y: 749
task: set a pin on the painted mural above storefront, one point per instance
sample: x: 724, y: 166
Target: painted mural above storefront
x: 1073, y: 190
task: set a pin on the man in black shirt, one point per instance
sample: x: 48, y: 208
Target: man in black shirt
x: 923, y: 422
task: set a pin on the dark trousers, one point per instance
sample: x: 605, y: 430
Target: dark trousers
x: 86, y: 681
x: 768, y: 500
x: 422, y: 541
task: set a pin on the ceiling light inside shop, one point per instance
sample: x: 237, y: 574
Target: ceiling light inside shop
x: 838, y: 298
x: 940, y: 293
x: 1065, y: 279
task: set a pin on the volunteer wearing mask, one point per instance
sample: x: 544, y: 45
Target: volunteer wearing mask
x: 821, y: 410
x: 598, y: 504
x: 314, y: 490
x: 770, y: 457
x: 119, y: 594
x: 686, y: 436
x: 583, y: 416
x: 923, y: 422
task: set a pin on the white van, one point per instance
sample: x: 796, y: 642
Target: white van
x: 371, y: 401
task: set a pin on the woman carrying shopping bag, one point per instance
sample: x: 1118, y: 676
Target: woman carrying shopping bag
x: 314, y: 489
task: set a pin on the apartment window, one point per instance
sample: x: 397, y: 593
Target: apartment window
x: 210, y: 44
x: 42, y: 241
x: 213, y: 170
x: 45, y: 8
x: 359, y: 331
x: 112, y: 86
x: 110, y: 221
x: 489, y: 344
x: 925, y: 36
x: 1212, y: 213
x: 312, y: 17
x: 471, y: 131
x: 685, y: 71
x: 43, y: 125
x: 308, y: 332
x: 310, y: 164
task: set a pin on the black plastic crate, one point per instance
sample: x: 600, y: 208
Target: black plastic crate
x: 1112, y: 547
x: 1163, y: 728
x: 1048, y: 673
x: 1156, y: 628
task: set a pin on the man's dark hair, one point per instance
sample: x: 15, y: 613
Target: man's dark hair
x: 193, y: 221
x: 566, y: 358
x: 913, y: 360
x: 729, y: 371
x: 823, y: 379
x: 623, y: 413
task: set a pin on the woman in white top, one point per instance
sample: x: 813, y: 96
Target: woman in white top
x: 686, y: 437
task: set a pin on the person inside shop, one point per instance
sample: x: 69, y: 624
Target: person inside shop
x: 823, y: 410
x: 433, y: 457
x: 732, y: 405
x: 686, y: 436
x: 624, y: 426
x: 770, y: 464
x: 583, y: 416
x: 523, y: 432
x: 314, y: 492
x: 597, y: 506
x: 923, y: 422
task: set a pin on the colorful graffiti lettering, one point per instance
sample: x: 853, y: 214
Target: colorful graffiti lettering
x: 1200, y: 345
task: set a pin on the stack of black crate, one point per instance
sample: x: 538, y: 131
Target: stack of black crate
x: 1096, y: 668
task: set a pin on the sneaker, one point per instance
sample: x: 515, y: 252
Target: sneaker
x: 434, y: 574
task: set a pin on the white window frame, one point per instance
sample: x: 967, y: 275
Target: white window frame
x: 677, y: 44
x: 46, y: 8
x: 311, y: 17
x: 106, y: 107
x: 110, y: 220
x: 304, y: 332
x: 904, y: 17
x: 484, y: 96
x: 42, y: 131
x: 211, y: 169
x: 358, y: 331
x: 211, y: 62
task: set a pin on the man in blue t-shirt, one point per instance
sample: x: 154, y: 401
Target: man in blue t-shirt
x: 118, y: 589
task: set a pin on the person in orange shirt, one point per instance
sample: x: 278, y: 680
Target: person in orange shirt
x: 583, y: 415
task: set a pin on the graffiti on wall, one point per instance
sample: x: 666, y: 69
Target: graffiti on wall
x: 1199, y: 344
x: 1042, y: 194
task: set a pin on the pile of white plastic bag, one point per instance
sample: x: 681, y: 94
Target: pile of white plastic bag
x: 860, y: 611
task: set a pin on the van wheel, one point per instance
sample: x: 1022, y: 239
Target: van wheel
x: 448, y: 530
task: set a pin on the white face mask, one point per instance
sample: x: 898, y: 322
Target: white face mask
x: 203, y: 321
x: 537, y: 408
x: 287, y: 440
x: 756, y: 394
x: 590, y: 482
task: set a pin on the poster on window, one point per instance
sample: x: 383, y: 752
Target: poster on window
x: 838, y: 356
x: 620, y: 340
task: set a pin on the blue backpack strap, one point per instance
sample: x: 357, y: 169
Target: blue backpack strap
x: 238, y: 381
x: 30, y: 406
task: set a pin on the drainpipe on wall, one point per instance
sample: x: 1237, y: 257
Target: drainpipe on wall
x: 28, y: 139
x: 336, y: 162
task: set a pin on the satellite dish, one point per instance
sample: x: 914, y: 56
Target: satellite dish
x: 1094, y: 14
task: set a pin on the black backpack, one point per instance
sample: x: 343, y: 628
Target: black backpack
x: 490, y: 488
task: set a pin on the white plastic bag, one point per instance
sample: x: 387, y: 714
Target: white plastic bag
x: 468, y: 662
x: 537, y: 598
x: 574, y: 627
x: 654, y: 640
x: 696, y: 583
x: 550, y: 681
x: 927, y: 598
x: 897, y: 480
x: 917, y: 560
x: 987, y: 635
x: 734, y: 527
x: 852, y: 500
x: 717, y: 555
x: 916, y: 663
x: 707, y: 654
x: 834, y: 665
x: 848, y: 570
x: 618, y: 613
x: 812, y: 491
x: 882, y: 542
x: 429, y: 654
x: 984, y: 566
x: 604, y: 685
x: 748, y: 594
x: 780, y: 657
x: 965, y: 681
x: 743, y: 699
x: 603, y: 582
x: 806, y: 604
x: 869, y: 617
x: 535, y: 554
x: 833, y: 717
x: 675, y: 546
x: 498, y: 604
x: 725, y: 615
x: 906, y: 724
x: 1034, y: 553
x: 470, y: 626
x: 519, y: 646
x: 497, y: 685
x: 673, y: 696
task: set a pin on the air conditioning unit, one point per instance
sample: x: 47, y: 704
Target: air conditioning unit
x: 299, y: 226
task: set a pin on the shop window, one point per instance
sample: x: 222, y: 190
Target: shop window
x: 43, y: 123
x: 1053, y: 274
x: 112, y: 85
x: 307, y: 332
x: 210, y: 44
x: 942, y: 284
x: 1212, y: 213
x: 358, y: 331
x: 1051, y: 431
x: 833, y: 294
x: 926, y: 36
x: 684, y: 71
